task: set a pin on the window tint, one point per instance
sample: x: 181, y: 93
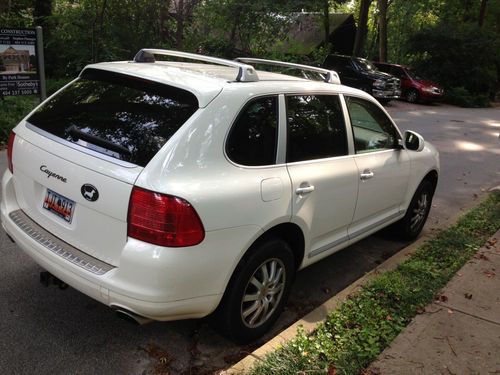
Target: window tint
x: 397, y: 72
x: 124, y: 117
x: 316, y: 127
x: 252, y: 140
x: 337, y: 63
x: 372, y: 129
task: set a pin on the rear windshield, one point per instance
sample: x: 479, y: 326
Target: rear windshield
x: 124, y: 117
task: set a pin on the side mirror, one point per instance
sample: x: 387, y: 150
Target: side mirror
x: 414, y: 141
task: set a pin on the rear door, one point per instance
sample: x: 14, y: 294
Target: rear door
x: 77, y: 157
x: 323, y: 174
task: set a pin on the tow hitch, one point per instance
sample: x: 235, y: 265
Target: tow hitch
x: 46, y: 278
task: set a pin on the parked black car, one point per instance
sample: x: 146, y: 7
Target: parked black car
x: 362, y: 74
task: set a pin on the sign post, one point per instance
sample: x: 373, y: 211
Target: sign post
x: 22, y: 70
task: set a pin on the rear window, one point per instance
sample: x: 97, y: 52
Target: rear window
x: 124, y: 117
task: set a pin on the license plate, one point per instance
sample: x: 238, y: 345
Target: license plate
x: 59, y: 205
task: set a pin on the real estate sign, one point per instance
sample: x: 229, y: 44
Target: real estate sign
x: 19, y: 66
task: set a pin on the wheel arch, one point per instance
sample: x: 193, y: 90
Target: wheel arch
x: 290, y: 233
x: 433, y: 177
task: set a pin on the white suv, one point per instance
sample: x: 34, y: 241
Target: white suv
x: 171, y: 190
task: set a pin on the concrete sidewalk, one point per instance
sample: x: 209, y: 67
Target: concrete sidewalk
x: 460, y: 332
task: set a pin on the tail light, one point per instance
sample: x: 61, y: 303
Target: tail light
x: 163, y: 220
x: 10, y: 146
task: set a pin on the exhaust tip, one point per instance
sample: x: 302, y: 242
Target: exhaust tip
x: 129, y: 316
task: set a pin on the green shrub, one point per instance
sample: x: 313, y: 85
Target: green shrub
x: 461, y: 97
x: 461, y: 57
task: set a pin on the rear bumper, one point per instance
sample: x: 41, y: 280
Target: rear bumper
x: 158, y: 283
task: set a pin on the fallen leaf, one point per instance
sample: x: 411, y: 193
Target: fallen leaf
x: 489, y: 274
x: 481, y: 256
x: 450, y: 311
x: 441, y: 298
x: 332, y: 370
x: 492, y: 242
x: 389, y: 318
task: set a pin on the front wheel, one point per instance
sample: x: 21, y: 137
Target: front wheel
x: 410, y: 226
x: 258, y: 291
x: 412, y: 96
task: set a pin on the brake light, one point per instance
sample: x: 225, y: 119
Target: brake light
x: 163, y: 220
x: 10, y: 146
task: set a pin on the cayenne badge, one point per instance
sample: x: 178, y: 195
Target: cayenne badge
x: 89, y: 192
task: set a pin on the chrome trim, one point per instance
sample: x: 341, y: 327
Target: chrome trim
x: 246, y: 73
x: 77, y: 147
x: 57, y: 246
x: 374, y: 225
x: 331, y: 76
x: 327, y: 247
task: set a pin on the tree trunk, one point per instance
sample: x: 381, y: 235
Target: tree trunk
x: 179, y: 31
x: 382, y: 24
x: 362, y: 27
x: 467, y: 6
x: 42, y: 9
x: 482, y: 13
x: 326, y: 20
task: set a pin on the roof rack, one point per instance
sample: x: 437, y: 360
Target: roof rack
x: 246, y: 73
x: 330, y: 75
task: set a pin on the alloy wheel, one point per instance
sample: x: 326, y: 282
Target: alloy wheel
x: 263, y: 293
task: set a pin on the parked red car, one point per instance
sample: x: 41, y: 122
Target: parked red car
x: 414, y: 88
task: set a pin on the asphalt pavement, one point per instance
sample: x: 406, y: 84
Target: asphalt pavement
x: 52, y: 331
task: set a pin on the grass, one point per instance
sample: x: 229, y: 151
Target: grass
x: 365, y: 324
x: 14, y: 108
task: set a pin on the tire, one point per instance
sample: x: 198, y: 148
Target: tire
x: 412, y: 96
x: 244, y: 321
x: 410, y: 226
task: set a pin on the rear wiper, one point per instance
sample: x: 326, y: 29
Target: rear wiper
x: 77, y: 133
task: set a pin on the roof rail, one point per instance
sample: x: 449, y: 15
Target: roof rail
x: 246, y: 73
x: 330, y: 75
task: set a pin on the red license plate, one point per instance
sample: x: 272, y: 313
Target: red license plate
x: 59, y: 205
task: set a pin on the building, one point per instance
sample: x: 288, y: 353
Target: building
x: 306, y: 32
x: 15, y: 60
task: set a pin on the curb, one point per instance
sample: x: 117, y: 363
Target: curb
x: 309, y: 322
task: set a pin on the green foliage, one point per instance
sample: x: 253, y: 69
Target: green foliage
x: 441, y: 37
x: 461, y: 97
x: 461, y: 58
x: 359, y: 330
x: 13, y: 109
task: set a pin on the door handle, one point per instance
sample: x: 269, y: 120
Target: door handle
x: 366, y: 175
x: 304, y: 190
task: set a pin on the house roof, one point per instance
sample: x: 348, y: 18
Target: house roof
x: 306, y: 32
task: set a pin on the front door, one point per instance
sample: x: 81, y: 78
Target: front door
x: 383, y: 167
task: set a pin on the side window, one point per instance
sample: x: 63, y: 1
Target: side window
x: 372, y: 129
x: 316, y: 127
x: 397, y: 72
x: 253, y: 137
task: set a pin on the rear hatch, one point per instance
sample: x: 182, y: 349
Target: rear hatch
x: 77, y: 157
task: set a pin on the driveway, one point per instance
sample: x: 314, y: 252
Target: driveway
x: 49, y: 331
